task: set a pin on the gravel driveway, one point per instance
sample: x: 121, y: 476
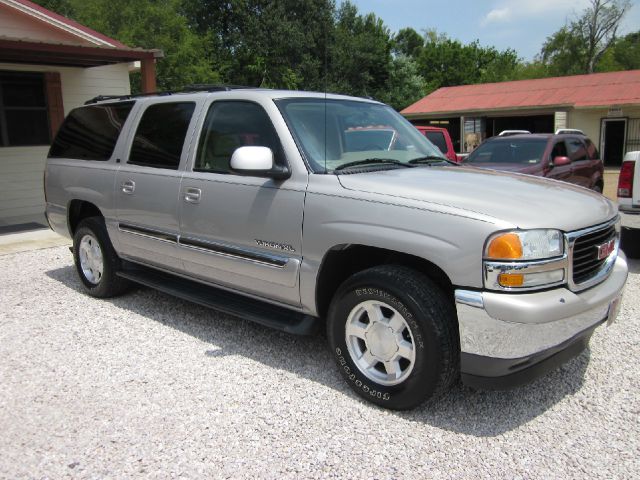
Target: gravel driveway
x: 150, y: 386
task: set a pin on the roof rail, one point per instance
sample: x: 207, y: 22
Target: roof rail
x: 573, y: 131
x: 508, y: 133
x: 196, y: 87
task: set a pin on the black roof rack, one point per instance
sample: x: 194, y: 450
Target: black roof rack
x: 196, y: 87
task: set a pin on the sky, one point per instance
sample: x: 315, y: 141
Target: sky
x: 519, y: 24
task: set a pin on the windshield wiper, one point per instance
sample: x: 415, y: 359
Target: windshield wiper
x: 429, y: 159
x: 368, y: 161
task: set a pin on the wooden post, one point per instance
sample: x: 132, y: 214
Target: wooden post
x: 55, y: 106
x: 148, y: 74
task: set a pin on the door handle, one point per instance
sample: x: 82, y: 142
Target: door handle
x: 128, y: 187
x: 192, y: 195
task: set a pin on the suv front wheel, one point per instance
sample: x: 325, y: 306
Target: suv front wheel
x: 393, y: 335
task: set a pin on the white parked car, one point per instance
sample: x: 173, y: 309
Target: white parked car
x: 629, y: 202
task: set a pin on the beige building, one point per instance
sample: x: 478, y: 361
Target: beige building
x: 48, y: 66
x: 605, y: 106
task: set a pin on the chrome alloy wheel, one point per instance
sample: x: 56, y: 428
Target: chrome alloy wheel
x: 91, y: 259
x: 380, y: 342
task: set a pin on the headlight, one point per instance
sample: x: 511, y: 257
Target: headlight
x: 525, y: 259
x: 525, y: 245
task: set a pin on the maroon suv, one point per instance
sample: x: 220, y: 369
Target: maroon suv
x: 571, y: 158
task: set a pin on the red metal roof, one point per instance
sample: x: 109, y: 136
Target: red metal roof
x: 598, y: 89
x: 70, y: 23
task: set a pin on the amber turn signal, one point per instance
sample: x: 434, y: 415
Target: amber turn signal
x: 507, y: 246
x: 511, y: 279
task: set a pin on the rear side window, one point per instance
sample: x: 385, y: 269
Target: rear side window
x: 91, y: 132
x: 230, y: 125
x: 437, y: 138
x: 160, y: 136
x: 592, y: 151
x: 577, y: 150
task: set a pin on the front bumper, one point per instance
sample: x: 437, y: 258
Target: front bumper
x: 507, y: 339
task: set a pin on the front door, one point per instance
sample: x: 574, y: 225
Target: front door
x: 241, y: 232
x: 148, y: 186
x: 559, y: 172
x: 612, y: 141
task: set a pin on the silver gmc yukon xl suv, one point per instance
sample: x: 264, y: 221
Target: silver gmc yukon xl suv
x: 298, y: 210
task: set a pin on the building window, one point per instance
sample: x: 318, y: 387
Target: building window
x: 24, y: 118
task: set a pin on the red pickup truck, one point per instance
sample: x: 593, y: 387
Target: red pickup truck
x: 440, y: 138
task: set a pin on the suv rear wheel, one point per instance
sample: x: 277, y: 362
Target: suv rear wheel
x: 96, y: 261
x: 393, y: 333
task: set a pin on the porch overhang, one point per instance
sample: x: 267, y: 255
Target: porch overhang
x: 41, y: 53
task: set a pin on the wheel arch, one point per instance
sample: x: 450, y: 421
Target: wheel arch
x: 342, y: 261
x: 78, y: 210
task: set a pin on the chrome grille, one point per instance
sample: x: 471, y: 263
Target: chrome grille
x: 586, y: 263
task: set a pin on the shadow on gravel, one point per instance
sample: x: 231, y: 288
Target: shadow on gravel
x: 634, y: 266
x: 462, y: 410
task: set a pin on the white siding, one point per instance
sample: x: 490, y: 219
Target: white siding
x: 590, y: 120
x: 21, y: 168
x: 15, y: 24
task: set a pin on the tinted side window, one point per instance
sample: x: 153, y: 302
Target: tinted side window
x: 90, y: 133
x: 230, y: 125
x: 160, y: 136
x: 437, y: 138
x: 577, y: 150
x: 559, y: 150
x: 592, y: 151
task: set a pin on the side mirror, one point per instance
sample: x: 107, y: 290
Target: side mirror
x: 257, y: 162
x: 560, y: 161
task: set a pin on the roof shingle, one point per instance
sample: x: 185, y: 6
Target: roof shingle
x: 598, y: 89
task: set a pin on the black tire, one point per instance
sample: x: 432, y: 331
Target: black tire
x: 630, y: 242
x: 431, y: 319
x: 107, y: 284
x: 598, y: 187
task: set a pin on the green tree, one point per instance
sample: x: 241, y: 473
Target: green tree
x: 278, y: 44
x: 148, y: 24
x: 408, y: 42
x: 359, y: 54
x: 445, y: 62
x: 626, y: 52
x: 405, y: 84
x: 579, y: 46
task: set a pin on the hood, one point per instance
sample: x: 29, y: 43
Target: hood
x: 523, y: 201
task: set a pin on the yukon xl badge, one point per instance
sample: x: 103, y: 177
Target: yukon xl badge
x: 275, y: 245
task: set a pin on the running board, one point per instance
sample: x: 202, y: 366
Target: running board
x: 260, y: 312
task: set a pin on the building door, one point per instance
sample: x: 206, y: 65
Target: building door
x: 612, y: 141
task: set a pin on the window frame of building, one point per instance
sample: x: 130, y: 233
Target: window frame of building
x: 5, y: 140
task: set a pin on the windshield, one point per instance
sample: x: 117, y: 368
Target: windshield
x: 334, y: 133
x: 523, y: 151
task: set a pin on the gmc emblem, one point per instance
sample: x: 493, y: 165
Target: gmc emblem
x: 606, y: 249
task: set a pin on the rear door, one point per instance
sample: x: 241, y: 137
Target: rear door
x: 241, y: 232
x: 148, y: 184
x: 580, y: 162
